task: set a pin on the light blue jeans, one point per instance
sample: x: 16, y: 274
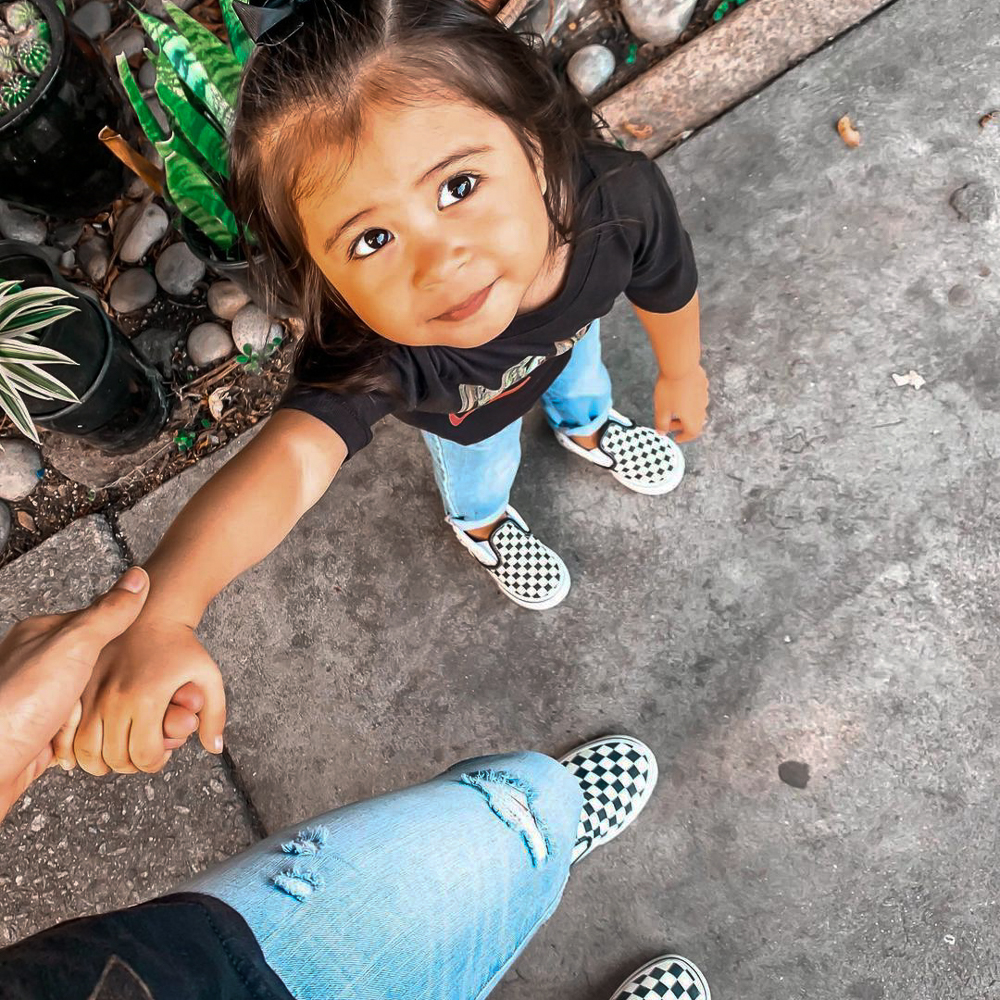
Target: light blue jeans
x: 475, y: 479
x: 430, y: 892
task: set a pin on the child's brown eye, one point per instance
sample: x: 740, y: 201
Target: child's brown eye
x: 370, y: 241
x: 456, y: 189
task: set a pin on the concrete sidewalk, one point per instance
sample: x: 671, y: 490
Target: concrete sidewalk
x: 820, y: 591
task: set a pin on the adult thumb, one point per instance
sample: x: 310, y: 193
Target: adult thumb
x: 112, y: 613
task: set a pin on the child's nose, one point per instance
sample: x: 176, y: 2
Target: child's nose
x: 438, y: 261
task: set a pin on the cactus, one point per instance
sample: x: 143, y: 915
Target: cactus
x: 15, y: 90
x: 21, y: 14
x: 33, y: 56
x: 8, y: 62
x: 40, y: 29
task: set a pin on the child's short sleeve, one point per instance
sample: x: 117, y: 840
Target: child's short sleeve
x: 664, y: 274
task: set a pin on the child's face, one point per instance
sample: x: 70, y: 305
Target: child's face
x: 435, y: 229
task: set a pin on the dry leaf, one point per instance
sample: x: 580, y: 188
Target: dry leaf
x: 910, y: 378
x: 988, y: 119
x: 640, y: 131
x: 295, y: 327
x: 217, y: 400
x: 25, y: 520
x: 848, y: 132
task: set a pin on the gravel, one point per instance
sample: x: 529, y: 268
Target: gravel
x: 208, y: 343
x: 132, y: 290
x: 178, y: 271
x: 20, y: 462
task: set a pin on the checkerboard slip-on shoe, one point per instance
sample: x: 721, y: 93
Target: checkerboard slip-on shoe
x: 638, y: 457
x: 669, y: 977
x: 618, y: 774
x: 524, y: 569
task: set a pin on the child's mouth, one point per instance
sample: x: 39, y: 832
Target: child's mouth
x: 468, y: 307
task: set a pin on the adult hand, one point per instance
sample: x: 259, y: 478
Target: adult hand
x: 680, y: 404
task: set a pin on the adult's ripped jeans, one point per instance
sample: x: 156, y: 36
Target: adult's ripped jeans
x: 429, y: 892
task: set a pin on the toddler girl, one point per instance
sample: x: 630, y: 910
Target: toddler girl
x: 452, y: 226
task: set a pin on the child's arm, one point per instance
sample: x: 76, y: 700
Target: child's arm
x: 680, y: 398
x: 230, y: 524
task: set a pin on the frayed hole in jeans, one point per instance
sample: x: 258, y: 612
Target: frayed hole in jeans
x: 511, y: 799
x: 297, y: 882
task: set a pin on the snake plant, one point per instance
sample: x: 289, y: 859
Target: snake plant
x: 197, y: 79
x: 22, y: 311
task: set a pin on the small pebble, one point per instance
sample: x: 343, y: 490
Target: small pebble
x: 959, y: 295
x: 178, y: 271
x: 208, y: 343
x: 67, y: 262
x: 93, y: 18
x: 974, y: 202
x: 20, y: 462
x: 226, y: 299
x: 132, y: 290
x: 658, y: 21
x: 148, y: 228
x: 794, y: 773
x: 94, y: 256
x: 545, y: 20
x: 18, y: 225
x: 147, y: 75
x: 129, y: 43
x: 590, y: 68
x: 251, y: 325
x: 67, y: 235
x: 4, y: 524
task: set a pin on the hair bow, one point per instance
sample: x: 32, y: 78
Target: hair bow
x: 271, y: 21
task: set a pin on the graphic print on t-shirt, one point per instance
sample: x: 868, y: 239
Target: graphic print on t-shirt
x: 474, y: 396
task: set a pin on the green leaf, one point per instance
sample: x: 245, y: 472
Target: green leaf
x: 12, y: 404
x: 15, y: 350
x: 221, y: 66
x: 242, y: 359
x: 34, y: 381
x: 152, y: 128
x: 190, y: 69
x: 197, y: 130
x: 240, y: 41
x: 195, y: 195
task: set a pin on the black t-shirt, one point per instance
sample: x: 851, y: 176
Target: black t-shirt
x: 632, y: 241
x: 181, y: 947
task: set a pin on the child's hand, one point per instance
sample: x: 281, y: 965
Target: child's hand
x: 125, y: 704
x: 680, y: 404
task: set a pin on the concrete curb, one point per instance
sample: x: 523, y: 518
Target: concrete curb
x: 737, y: 57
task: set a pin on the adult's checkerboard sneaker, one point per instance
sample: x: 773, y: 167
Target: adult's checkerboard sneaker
x: 669, y: 977
x: 524, y: 569
x: 617, y: 774
x: 638, y: 457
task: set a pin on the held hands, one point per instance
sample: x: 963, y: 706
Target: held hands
x: 680, y: 404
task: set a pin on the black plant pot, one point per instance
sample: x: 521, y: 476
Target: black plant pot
x: 122, y: 402
x: 275, y: 300
x: 51, y: 160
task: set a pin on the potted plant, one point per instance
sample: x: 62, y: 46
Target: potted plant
x: 109, y: 397
x: 55, y: 96
x: 197, y: 80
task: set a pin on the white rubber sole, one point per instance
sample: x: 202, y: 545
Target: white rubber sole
x: 696, y: 974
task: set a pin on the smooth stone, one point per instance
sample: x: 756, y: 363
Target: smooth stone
x: 132, y: 290
x: 147, y: 75
x: 658, y: 21
x: 537, y: 22
x: 20, y: 463
x: 959, y: 295
x: 150, y: 227
x: 226, y: 299
x: 18, y: 225
x: 94, y: 256
x: 178, y: 271
x: 88, y: 292
x: 67, y: 235
x: 157, y: 345
x: 974, y: 202
x: 136, y: 187
x: 590, y: 68
x: 67, y: 260
x: 156, y: 8
x: 93, y: 18
x: 129, y: 43
x: 208, y: 343
x: 251, y: 325
x: 156, y: 109
x: 4, y: 525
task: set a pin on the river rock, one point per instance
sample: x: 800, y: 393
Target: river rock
x: 93, y: 18
x: 94, y: 256
x: 539, y: 22
x: 4, y: 525
x: 251, y: 325
x: 658, y: 21
x: 129, y: 43
x: 132, y: 290
x: 590, y: 68
x: 226, y: 299
x: 157, y: 345
x: 147, y: 75
x: 148, y: 228
x: 67, y: 235
x: 18, y: 225
x: 178, y: 270
x: 208, y: 343
x: 20, y: 465
x: 67, y: 260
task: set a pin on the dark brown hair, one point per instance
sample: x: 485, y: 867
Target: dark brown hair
x: 315, y: 87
